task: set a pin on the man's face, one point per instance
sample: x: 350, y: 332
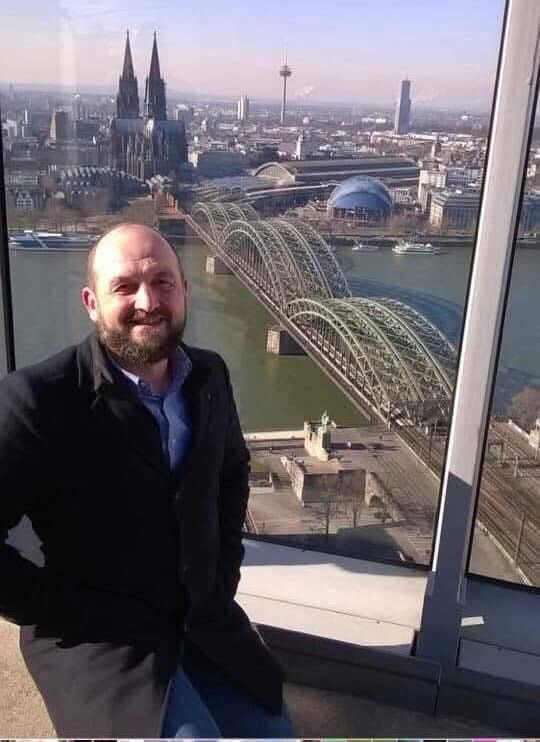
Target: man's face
x: 138, y: 302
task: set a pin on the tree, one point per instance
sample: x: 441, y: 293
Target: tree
x: 382, y: 515
x: 140, y: 210
x: 329, y: 506
x: 524, y: 407
x: 405, y: 222
x: 99, y: 203
x: 58, y: 213
x: 17, y: 219
x: 49, y: 185
x: 336, y: 501
x: 353, y: 511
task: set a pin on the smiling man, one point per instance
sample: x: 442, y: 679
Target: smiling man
x: 127, y: 455
x: 136, y: 295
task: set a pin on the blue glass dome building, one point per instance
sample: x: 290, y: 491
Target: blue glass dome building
x: 362, y: 198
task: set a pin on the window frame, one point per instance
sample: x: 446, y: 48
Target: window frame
x: 513, y: 115
x: 6, y: 299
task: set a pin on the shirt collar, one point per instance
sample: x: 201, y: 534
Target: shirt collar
x: 181, y: 367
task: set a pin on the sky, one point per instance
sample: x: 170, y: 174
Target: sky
x: 340, y: 51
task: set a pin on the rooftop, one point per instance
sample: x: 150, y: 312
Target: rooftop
x: 336, y: 163
x: 338, y: 168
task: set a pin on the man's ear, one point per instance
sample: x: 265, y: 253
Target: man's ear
x: 90, y: 303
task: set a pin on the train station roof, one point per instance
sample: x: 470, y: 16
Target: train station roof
x: 319, y: 170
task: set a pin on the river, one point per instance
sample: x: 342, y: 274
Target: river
x: 280, y: 392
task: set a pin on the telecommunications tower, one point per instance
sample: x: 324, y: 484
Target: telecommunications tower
x: 284, y: 72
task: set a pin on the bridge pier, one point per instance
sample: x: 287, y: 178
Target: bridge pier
x: 280, y: 343
x: 216, y: 266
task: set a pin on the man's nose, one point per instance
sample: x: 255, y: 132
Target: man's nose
x: 145, y: 298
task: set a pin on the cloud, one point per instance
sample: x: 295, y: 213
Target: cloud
x: 305, y: 92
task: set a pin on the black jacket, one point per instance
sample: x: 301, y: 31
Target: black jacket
x: 134, y: 557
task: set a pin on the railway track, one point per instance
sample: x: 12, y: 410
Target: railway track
x: 508, y: 505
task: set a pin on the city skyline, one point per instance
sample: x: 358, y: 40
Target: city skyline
x: 353, y: 53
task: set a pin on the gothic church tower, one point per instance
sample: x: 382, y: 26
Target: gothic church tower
x: 127, y: 100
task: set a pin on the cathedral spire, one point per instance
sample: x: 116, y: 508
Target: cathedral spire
x: 155, y: 106
x: 127, y: 100
x: 127, y: 72
x: 155, y: 73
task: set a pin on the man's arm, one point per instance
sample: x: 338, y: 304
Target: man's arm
x: 22, y: 592
x: 233, y: 496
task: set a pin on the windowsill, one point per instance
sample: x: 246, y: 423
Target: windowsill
x: 378, y: 606
x: 368, y: 604
x: 499, y: 632
x: 499, y: 662
x: 348, y: 625
x: 502, y: 616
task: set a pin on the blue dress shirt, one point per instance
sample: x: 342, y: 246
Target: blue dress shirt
x: 169, y: 410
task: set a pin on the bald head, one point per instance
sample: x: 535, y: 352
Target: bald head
x: 125, y: 241
x: 136, y: 294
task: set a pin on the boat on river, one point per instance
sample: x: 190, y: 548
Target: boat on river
x: 404, y: 247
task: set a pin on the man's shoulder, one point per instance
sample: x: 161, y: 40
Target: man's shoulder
x: 54, y: 371
x: 208, y: 365
x: 204, y: 358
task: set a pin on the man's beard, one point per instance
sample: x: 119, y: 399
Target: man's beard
x: 153, y: 347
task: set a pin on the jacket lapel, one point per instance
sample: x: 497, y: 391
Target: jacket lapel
x: 198, y: 396
x: 133, y: 423
x: 115, y: 403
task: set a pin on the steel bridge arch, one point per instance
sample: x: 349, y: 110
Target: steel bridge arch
x: 318, y: 253
x: 377, y: 350
x: 279, y: 260
x: 218, y: 216
x: 428, y: 339
x: 244, y: 242
x: 300, y: 253
x: 292, y: 259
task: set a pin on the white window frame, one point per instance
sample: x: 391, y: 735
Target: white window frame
x: 512, y: 117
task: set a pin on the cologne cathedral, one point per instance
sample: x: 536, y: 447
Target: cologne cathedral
x: 150, y: 145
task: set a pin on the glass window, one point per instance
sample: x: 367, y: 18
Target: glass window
x: 3, y: 364
x: 3, y: 352
x: 508, y: 510
x: 324, y: 213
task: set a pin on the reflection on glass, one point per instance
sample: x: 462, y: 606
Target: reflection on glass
x: 508, y: 512
x: 3, y: 364
x: 327, y: 236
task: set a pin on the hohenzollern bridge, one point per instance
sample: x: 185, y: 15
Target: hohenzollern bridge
x: 384, y: 354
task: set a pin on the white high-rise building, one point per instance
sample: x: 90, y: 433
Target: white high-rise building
x: 76, y: 108
x: 243, y: 109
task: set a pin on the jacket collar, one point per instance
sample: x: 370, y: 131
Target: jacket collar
x: 116, y: 401
x: 94, y: 360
